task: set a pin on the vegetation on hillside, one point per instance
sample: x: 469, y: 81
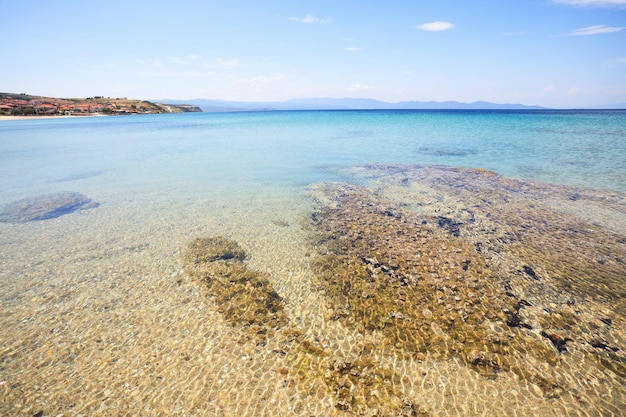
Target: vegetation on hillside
x: 27, y: 105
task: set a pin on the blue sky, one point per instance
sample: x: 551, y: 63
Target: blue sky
x: 554, y: 53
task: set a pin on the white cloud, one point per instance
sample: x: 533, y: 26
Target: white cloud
x: 352, y: 49
x: 435, y: 26
x: 595, y: 30
x: 596, y: 3
x: 360, y: 87
x: 621, y: 60
x: 310, y: 19
x: 574, y: 90
x: 184, y: 60
x: 176, y: 74
x: 191, y: 61
x: 155, y: 63
x: 261, y: 81
x: 230, y: 62
x: 177, y: 60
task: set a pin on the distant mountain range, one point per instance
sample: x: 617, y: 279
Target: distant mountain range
x: 344, y: 104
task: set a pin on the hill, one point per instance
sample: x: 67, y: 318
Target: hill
x: 346, y: 104
x: 12, y: 104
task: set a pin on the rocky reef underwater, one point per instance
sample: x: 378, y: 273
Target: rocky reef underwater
x: 505, y: 277
x: 44, y: 207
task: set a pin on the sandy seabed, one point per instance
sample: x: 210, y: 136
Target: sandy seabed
x: 98, y: 317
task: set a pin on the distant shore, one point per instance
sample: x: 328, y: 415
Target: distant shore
x: 29, y: 105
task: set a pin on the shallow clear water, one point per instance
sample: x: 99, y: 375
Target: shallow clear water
x: 236, y: 151
x: 100, y: 315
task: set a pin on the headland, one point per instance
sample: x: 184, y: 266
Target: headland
x: 25, y: 105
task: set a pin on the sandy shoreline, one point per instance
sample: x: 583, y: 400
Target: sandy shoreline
x: 100, y: 318
x: 47, y: 117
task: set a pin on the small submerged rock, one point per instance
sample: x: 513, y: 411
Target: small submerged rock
x: 47, y: 206
x: 211, y: 249
x: 244, y: 297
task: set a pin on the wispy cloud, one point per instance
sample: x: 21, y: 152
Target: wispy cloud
x: 261, y: 81
x: 360, y: 87
x: 621, y: 60
x: 594, y: 30
x: 177, y: 60
x: 352, y: 49
x: 435, y: 26
x: 154, y: 63
x: 183, y: 67
x: 310, y: 19
x: 593, y: 3
x: 226, y: 62
x: 189, y: 59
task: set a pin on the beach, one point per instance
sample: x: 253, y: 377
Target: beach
x: 123, y: 329
x: 389, y: 289
x: 5, y: 118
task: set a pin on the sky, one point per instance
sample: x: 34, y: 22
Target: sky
x: 552, y: 53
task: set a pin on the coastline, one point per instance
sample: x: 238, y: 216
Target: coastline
x: 47, y: 117
x: 117, y: 325
x: 100, y: 314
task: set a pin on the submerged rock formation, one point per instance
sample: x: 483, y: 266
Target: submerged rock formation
x: 509, y: 280
x: 43, y: 207
x: 461, y: 263
x: 244, y: 297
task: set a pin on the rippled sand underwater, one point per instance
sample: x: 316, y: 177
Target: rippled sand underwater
x: 405, y: 290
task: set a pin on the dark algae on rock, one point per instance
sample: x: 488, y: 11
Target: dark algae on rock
x: 358, y: 385
x: 462, y: 263
x: 245, y: 297
x: 420, y: 267
x: 247, y: 300
x: 43, y: 207
x: 408, y: 280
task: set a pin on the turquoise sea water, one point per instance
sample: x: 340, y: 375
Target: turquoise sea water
x: 235, y: 153
x: 99, y: 314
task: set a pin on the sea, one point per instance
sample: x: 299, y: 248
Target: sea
x: 100, y: 313
x: 238, y: 152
